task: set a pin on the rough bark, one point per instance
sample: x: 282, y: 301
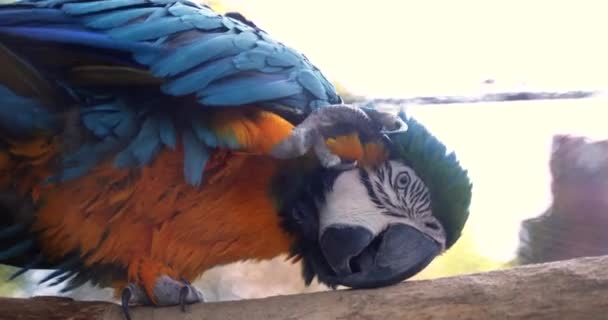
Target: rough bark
x: 571, y: 289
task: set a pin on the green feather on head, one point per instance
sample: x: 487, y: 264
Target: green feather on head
x: 447, y: 181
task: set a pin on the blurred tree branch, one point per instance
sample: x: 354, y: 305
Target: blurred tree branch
x: 572, y: 289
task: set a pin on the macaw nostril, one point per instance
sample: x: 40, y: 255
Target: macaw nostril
x: 365, y: 260
x: 354, y: 265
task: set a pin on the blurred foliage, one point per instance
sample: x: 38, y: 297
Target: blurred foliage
x: 8, y: 288
x: 462, y: 258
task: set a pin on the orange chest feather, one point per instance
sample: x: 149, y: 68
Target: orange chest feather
x: 120, y: 215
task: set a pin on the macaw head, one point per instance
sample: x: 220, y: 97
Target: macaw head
x: 379, y: 225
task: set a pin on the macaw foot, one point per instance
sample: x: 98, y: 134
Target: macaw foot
x: 324, y: 123
x: 167, y: 292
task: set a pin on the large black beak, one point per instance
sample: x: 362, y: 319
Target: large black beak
x: 361, y: 261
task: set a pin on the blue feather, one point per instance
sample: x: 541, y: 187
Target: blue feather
x: 284, y: 58
x: 12, y: 231
x: 23, y: 116
x: 150, y: 30
x: 111, y: 118
x: 159, y: 13
x: 127, y: 125
x: 330, y: 90
x: 49, y: 3
x: 255, y: 59
x: 147, y: 142
x: 194, y: 54
x: 309, y: 81
x: 315, y: 104
x: 205, y: 135
x: 248, y: 90
x: 97, y: 6
x: 101, y: 124
x: 88, y: 38
x: 76, y: 164
x: 298, y: 101
x: 147, y: 57
x: 231, y: 23
x: 144, y: 147
x: 125, y: 159
x: 179, y: 9
x: 195, y: 158
x: 245, y: 40
x: 116, y: 19
x: 167, y: 132
x: 204, y: 23
x: 17, y: 16
x: 267, y: 48
x: 252, y: 59
x: 18, y: 249
x: 200, y: 78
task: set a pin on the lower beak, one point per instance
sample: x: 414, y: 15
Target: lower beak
x: 361, y: 261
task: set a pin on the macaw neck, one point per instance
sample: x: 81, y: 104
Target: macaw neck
x: 302, y: 187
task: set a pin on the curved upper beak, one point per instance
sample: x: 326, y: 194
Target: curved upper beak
x: 360, y: 260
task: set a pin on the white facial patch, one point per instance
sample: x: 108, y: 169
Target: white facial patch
x: 376, y: 198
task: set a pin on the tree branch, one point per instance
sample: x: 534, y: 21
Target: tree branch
x: 573, y: 289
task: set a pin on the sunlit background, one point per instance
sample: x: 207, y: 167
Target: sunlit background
x: 403, y: 49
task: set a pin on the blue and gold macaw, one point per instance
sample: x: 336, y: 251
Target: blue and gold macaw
x: 143, y: 142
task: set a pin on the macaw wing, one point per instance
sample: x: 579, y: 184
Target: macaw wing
x: 145, y: 73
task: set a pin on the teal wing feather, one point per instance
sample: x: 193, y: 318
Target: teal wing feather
x: 195, y: 50
x: 183, y: 52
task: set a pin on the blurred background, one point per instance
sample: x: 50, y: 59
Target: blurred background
x: 517, y: 88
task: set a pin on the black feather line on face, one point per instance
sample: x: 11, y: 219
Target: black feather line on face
x: 366, y: 181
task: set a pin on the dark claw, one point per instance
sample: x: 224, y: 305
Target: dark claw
x: 126, y: 297
x: 401, y: 129
x: 183, y: 293
x: 386, y: 139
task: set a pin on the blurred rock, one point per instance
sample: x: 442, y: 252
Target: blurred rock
x: 576, y: 224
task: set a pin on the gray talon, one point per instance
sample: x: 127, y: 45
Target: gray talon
x: 331, y: 121
x: 171, y: 292
x: 125, y: 299
x: 168, y: 292
x: 183, y: 295
x: 390, y: 123
x: 327, y: 159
